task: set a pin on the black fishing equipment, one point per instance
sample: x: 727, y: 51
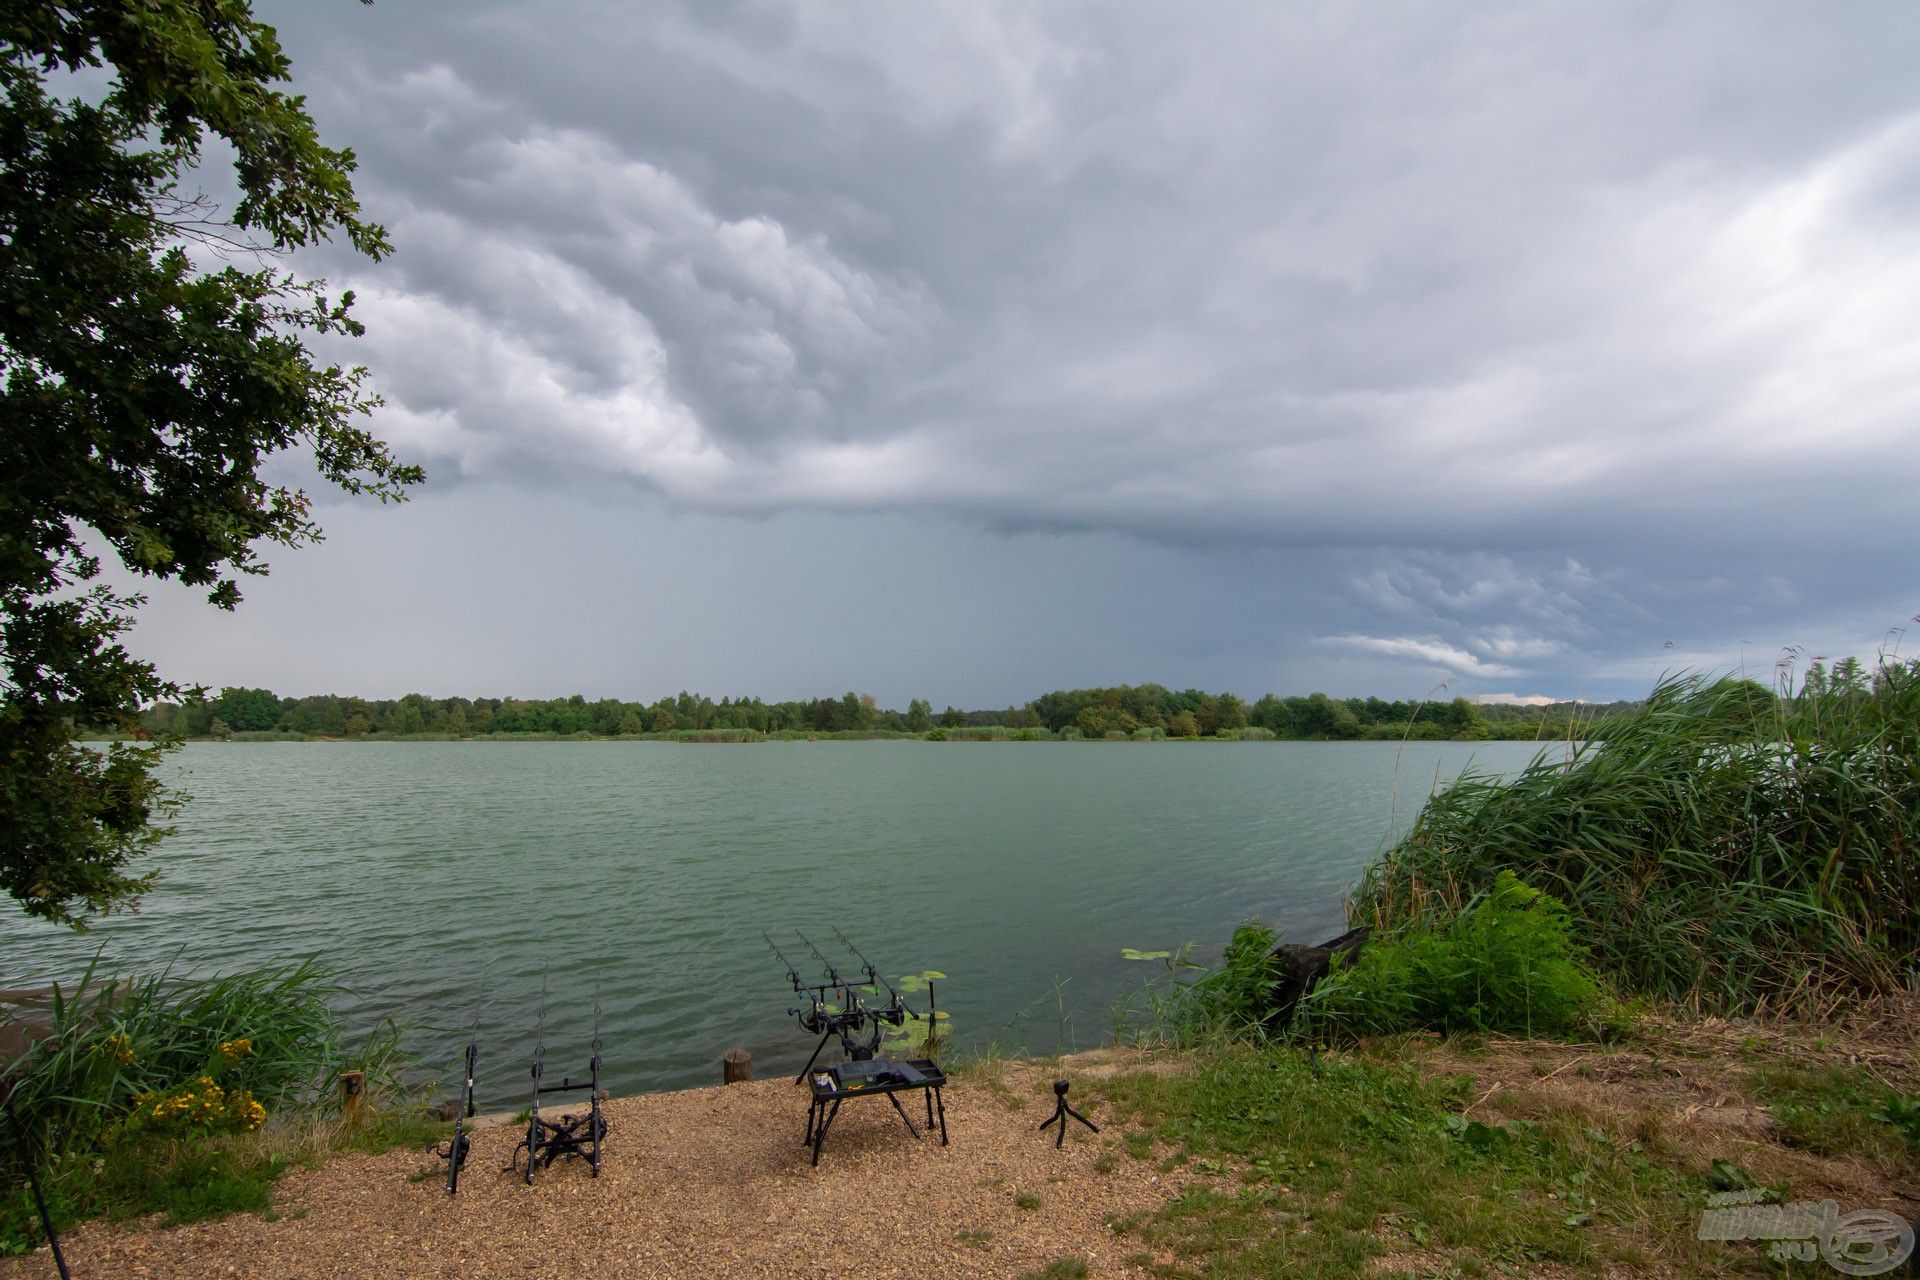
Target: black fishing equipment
x: 460, y: 1145
x: 570, y: 1135
x: 835, y: 1008
x: 1061, y: 1110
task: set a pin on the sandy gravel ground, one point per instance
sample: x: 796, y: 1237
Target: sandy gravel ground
x: 710, y: 1183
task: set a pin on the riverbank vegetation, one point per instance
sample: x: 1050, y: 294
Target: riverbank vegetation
x: 1726, y: 848
x: 1136, y: 712
x: 1723, y: 845
x: 189, y: 1098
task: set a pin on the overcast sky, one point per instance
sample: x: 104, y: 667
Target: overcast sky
x: 960, y: 351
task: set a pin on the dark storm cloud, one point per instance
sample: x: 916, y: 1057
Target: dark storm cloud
x: 1526, y: 339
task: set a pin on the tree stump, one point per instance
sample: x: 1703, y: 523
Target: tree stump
x: 736, y: 1065
x: 1301, y: 968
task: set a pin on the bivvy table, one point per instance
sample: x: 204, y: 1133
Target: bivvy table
x: 834, y: 1085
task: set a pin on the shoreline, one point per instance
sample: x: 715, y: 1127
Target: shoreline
x: 1585, y: 1158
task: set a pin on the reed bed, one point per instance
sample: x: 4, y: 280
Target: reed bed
x: 1727, y: 845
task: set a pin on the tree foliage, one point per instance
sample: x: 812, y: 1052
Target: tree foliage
x: 1139, y: 711
x: 145, y: 378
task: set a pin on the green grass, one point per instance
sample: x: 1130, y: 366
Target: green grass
x: 1059, y: 1269
x: 1026, y: 1200
x: 1315, y: 1166
x: 1722, y: 845
x: 1842, y: 1110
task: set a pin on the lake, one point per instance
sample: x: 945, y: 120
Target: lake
x: 427, y: 872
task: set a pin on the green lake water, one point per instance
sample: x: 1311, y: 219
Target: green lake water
x: 423, y: 871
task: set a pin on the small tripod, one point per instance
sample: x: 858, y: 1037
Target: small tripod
x: 1061, y: 1110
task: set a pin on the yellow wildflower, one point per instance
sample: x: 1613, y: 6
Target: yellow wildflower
x: 120, y: 1045
x: 234, y: 1050
x: 246, y: 1112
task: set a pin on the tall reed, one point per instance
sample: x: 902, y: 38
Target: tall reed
x: 1726, y: 843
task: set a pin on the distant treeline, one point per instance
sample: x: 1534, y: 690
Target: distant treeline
x: 1126, y: 711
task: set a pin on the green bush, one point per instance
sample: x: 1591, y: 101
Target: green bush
x: 1507, y: 963
x: 1235, y: 998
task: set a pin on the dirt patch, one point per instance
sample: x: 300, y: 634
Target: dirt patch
x: 707, y: 1182
x: 1682, y: 1087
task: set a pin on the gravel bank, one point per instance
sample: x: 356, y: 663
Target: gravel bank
x: 707, y: 1182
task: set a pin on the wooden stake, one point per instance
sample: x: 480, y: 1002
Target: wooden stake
x: 736, y: 1065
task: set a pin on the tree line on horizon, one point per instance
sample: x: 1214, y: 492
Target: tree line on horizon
x: 1147, y: 710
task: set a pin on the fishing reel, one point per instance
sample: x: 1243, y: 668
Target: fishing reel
x: 846, y: 1016
x: 455, y: 1152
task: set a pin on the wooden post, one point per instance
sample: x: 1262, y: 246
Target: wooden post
x: 736, y: 1065
x: 353, y: 1089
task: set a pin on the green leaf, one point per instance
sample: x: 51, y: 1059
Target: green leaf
x: 1129, y: 953
x: 1723, y: 1175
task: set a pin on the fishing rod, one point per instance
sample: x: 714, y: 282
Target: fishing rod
x: 833, y: 974
x: 459, y: 1146
x: 895, y: 1012
x: 873, y: 975
x: 793, y: 975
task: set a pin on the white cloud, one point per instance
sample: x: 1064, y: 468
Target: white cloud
x: 1516, y: 699
x: 1427, y: 650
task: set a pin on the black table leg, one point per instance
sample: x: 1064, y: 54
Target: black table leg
x: 820, y: 1135
x: 895, y: 1100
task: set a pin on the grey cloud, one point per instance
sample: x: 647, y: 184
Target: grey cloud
x: 1522, y: 339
